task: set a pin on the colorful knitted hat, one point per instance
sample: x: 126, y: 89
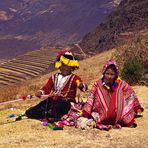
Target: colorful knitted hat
x: 66, y: 57
x: 110, y: 62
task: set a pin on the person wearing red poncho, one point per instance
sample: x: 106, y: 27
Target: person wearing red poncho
x: 112, y: 102
x: 61, y: 88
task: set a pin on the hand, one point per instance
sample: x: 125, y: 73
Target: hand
x: 38, y: 94
x: 83, y: 87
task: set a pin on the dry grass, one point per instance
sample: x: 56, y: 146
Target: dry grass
x: 89, y: 75
x: 30, y: 133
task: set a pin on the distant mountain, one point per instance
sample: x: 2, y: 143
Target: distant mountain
x: 127, y: 20
x: 27, y: 25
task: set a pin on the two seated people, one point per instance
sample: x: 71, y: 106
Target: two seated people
x: 111, y: 101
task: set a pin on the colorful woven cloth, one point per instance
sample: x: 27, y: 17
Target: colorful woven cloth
x: 115, y: 106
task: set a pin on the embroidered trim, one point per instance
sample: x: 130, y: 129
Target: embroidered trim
x: 59, y: 92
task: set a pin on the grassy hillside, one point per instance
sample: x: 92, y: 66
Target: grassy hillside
x: 29, y: 86
x: 125, y: 29
x: 31, y: 132
x: 27, y: 25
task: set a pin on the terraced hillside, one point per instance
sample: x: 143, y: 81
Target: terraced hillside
x: 27, y: 66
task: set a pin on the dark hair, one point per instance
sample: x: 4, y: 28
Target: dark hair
x: 70, y: 57
x: 112, y: 67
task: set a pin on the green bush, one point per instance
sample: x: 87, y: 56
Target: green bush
x: 132, y: 58
x: 133, y: 71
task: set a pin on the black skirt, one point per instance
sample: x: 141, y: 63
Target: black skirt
x: 49, y: 109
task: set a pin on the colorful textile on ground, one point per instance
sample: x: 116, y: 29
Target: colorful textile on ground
x: 75, y: 112
x: 85, y: 123
x: 53, y: 126
x: 74, y: 118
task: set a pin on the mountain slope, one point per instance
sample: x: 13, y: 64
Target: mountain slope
x: 29, y: 25
x: 130, y: 17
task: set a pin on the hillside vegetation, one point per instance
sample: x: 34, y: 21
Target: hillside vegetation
x: 125, y: 29
x: 132, y: 57
x: 130, y: 18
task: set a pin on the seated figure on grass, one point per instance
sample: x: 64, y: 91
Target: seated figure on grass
x: 111, y: 103
x: 61, y: 88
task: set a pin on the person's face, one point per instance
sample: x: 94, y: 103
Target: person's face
x: 65, y: 70
x: 109, y: 76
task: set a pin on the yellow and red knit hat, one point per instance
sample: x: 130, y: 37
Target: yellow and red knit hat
x: 66, y: 57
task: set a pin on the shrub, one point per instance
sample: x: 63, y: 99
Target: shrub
x: 132, y: 58
x: 133, y: 71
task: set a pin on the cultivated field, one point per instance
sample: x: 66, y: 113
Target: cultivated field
x: 27, y: 66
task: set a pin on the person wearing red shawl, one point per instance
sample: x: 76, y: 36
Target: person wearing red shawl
x: 61, y: 88
x: 112, y: 102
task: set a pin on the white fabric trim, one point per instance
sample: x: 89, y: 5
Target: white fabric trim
x: 61, y: 81
x: 42, y: 91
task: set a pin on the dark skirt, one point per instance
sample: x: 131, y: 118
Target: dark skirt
x: 49, y: 109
